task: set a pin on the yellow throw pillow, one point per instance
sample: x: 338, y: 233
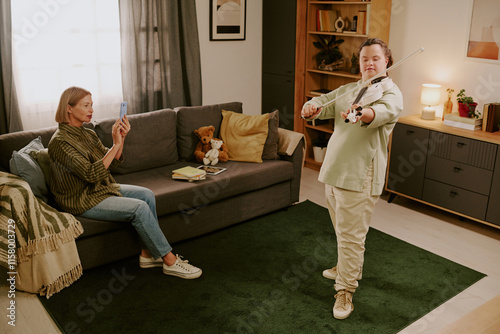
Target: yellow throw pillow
x: 244, y: 135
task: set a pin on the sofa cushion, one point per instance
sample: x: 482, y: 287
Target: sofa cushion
x: 14, y: 141
x: 271, y: 145
x: 240, y: 177
x: 192, y: 118
x: 23, y: 165
x: 151, y: 142
x: 244, y: 135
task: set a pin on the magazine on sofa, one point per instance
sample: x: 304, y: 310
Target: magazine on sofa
x: 212, y: 170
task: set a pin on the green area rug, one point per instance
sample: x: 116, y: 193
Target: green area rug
x: 263, y: 276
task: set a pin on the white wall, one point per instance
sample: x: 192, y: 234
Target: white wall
x: 231, y: 70
x: 442, y: 28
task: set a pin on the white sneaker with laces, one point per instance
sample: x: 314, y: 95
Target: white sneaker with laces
x: 181, y: 268
x: 332, y: 274
x: 149, y: 262
x: 343, y: 306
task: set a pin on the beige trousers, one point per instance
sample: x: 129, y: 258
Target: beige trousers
x: 351, y: 212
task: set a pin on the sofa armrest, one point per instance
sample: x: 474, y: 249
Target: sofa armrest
x: 291, y: 147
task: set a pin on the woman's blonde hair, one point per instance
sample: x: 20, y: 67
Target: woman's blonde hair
x: 70, y: 97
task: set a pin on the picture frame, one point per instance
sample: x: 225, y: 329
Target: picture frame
x: 483, y: 39
x: 227, y: 20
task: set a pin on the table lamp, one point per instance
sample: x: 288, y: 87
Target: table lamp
x: 431, y: 95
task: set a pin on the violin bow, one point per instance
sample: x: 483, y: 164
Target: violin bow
x: 368, y: 82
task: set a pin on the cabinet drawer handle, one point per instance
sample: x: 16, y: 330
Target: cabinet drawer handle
x: 457, y: 169
x: 410, y: 132
x: 453, y: 194
x: 460, y: 144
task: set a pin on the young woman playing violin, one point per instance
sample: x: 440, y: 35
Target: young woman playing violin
x: 355, y: 163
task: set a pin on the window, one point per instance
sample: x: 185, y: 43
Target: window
x: 62, y: 43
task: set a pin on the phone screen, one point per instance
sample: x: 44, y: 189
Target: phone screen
x: 123, y: 109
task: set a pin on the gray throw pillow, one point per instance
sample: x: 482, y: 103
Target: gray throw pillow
x: 23, y: 165
x: 271, y: 146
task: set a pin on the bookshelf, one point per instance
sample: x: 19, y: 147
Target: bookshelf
x: 308, y: 77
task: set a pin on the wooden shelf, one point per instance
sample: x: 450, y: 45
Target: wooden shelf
x: 308, y: 77
x: 323, y: 127
x: 342, y: 3
x: 339, y: 73
x: 331, y: 33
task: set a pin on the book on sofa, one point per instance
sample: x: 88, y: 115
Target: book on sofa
x: 189, y: 173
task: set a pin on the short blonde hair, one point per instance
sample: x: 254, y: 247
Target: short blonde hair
x: 70, y: 97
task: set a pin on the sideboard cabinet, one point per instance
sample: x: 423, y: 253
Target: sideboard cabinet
x: 449, y: 168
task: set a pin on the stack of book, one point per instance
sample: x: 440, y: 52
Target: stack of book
x: 469, y: 123
x: 491, y: 117
x: 189, y: 173
x: 325, y: 20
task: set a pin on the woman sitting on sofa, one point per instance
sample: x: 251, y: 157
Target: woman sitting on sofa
x: 82, y: 183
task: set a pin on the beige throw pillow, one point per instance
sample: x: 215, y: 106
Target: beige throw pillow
x: 244, y: 135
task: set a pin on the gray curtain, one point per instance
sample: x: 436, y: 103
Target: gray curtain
x: 160, y: 54
x: 10, y: 118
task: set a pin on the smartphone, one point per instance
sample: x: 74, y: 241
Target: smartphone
x: 123, y: 109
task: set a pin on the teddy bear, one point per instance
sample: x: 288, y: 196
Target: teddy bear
x: 212, y: 156
x: 206, y: 134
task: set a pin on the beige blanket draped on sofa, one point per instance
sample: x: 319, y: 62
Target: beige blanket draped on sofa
x: 37, y: 243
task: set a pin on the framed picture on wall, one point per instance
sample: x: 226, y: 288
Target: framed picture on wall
x: 227, y: 20
x: 484, y: 31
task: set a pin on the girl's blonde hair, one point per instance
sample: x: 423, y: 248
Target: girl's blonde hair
x: 70, y: 97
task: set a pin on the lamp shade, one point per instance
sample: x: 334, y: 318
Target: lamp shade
x: 431, y: 94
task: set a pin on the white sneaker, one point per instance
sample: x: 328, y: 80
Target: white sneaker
x: 332, y: 274
x: 343, y: 304
x: 149, y: 262
x: 181, y: 268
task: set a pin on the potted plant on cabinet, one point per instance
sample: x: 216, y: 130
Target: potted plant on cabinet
x: 319, y: 147
x: 466, y: 105
x: 330, y: 57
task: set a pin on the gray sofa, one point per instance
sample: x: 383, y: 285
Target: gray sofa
x: 161, y: 141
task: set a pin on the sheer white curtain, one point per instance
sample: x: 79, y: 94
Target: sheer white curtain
x: 62, y: 43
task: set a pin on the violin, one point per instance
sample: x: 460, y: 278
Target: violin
x: 372, y: 86
x: 369, y: 94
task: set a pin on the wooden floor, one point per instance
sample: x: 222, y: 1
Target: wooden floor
x: 475, y: 310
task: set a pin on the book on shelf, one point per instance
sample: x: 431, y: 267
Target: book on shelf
x: 491, y: 117
x: 468, y: 123
x: 189, y: 173
x: 325, y: 20
x: 361, y: 23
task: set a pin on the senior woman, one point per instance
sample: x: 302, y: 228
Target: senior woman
x: 83, y: 185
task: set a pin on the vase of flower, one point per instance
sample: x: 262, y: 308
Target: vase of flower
x: 448, y: 105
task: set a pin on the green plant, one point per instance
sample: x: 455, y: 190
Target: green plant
x: 469, y: 101
x: 462, y: 98
x: 329, y: 47
x: 354, y: 60
x: 449, y: 91
x: 320, y: 141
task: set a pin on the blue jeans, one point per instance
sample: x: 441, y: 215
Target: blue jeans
x: 138, y: 206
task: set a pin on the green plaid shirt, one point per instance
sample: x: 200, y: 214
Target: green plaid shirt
x: 79, y: 180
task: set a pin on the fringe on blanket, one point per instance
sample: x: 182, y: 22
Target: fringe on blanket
x: 49, y: 243
x: 62, y: 282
